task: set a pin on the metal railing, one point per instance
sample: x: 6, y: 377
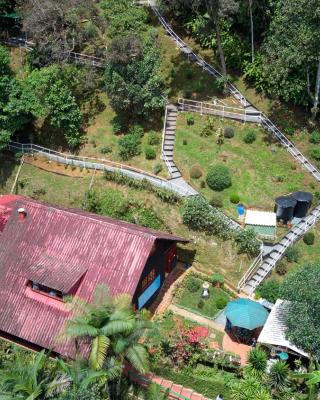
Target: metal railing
x: 252, y: 270
x: 164, y: 130
x: 99, y: 165
x: 220, y: 110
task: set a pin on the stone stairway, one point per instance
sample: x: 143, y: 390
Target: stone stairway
x: 267, y: 264
x: 168, y: 141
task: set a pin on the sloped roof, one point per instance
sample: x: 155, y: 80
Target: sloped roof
x: 6, y: 204
x: 263, y: 218
x: 72, y: 243
x: 274, y: 330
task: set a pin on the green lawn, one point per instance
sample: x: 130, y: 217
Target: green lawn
x: 192, y: 300
x: 260, y: 171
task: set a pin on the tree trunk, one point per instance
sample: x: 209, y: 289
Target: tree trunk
x: 316, y: 94
x: 252, y: 33
x: 220, y: 49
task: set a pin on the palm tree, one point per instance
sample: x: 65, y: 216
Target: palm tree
x: 22, y: 378
x: 278, y: 376
x: 257, y: 361
x: 249, y: 389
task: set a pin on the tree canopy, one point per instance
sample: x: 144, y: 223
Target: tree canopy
x: 301, y: 288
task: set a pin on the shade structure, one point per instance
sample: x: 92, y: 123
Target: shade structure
x: 247, y: 314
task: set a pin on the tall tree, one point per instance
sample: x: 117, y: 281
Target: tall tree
x: 292, y: 52
x: 301, y: 288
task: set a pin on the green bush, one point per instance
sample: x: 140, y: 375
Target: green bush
x: 117, y: 125
x: 150, y: 153
x: 192, y: 284
x: 250, y: 137
x: 202, y: 184
x: 136, y: 130
x: 221, y: 303
x: 281, y: 268
x: 217, y: 278
x: 228, y: 132
x: 315, y: 153
x: 195, y: 171
x: 201, y: 304
x: 153, y: 138
x: 184, y: 142
x: 269, y: 290
x: 106, y: 150
x: 315, y: 137
x: 292, y: 254
x: 308, y: 238
x: 218, y: 177
x: 190, y: 120
x: 234, y: 198
x: 216, y: 200
x: 290, y: 130
x: 129, y: 146
x: 148, y: 218
x: 208, y: 128
x: 157, y: 169
x: 247, y: 242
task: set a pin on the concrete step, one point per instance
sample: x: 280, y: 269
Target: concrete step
x: 175, y: 175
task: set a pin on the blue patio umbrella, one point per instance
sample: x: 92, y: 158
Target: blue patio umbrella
x: 283, y: 356
x: 245, y: 313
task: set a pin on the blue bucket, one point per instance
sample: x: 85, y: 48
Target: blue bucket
x: 240, y: 209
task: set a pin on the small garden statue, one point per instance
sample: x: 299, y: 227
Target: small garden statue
x: 205, y: 288
x: 219, y: 136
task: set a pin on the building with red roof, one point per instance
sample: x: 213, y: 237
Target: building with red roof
x: 49, y: 252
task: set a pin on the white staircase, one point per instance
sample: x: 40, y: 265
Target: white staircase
x: 262, y: 267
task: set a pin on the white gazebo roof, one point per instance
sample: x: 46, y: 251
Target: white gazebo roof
x: 273, y: 332
x: 262, y: 218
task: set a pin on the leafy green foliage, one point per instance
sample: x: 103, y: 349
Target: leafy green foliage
x: 301, y: 288
x: 218, y: 177
x: 217, y: 278
x: 192, y: 284
x: 153, y: 138
x: 207, y: 130
x: 315, y: 153
x: 315, y: 137
x: 281, y: 268
x: 249, y: 389
x: 190, y: 120
x: 221, y: 303
x: 292, y: 254
x: 247, y: 242
x: 129, y: 146
x: 309, y: 238
x: 257, y: 361
x: 150, y: 153
x: 216, y: 200
x: 250, y: 137
x: 234, y: 198
x: 279, y: 376
x: 133, y: 82
x: 269, y: 290
x: 148, y: 218
x: 157, y: 169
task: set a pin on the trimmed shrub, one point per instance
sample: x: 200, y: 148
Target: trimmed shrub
x: 308, y: 238
x: 184, y: 142
x: 217, y: 279
x: 196, y: 172
x: 250, y: 137
x: 315, y: 153
x: 221, y: 302
x: 247, y: 242
x: 228, y: 132
x: 106, y: 150
x: 192, y: 284
x: 157, y: 169
x: 136, y: 130
x: 202, y: 184
x: 218, y: 177
x: 315, y: 137
x: 129, y: 146
x: 234, y: 198
x: 216, y: 201
x: 269, y: 290
x: 153, y: 138
x: 150, y: 153
x: 281, y: 268
x: 195, y: 213
x: 292, y: 254
x: 190, y: 120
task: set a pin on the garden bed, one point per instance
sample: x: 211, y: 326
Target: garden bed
x: 189, y: 296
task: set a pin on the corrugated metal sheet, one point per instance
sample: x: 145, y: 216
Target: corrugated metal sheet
x: 111, y: 252
x: 6, y: 204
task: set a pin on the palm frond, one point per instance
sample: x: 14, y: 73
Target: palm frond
x: 117, y: 326
x: 98, y: 352
x: 76, y: 328
x: 58, y: 385
x: 156, y: 392
x: 91, y: 377
x: 122, y: 302
x: 137, y: 355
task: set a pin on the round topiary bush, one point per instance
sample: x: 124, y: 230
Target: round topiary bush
x: 221, y: 303
x: 218, y: 177
x: 234, y: 198
x: 250, y: 137
x: 308, y: 238
x: 217, y: 279
x: 216, y: 201
x: 196, y: 172
x: 228, y: 132
x: 150, y: 153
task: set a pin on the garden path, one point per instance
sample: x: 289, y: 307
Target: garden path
x: 238, y: 348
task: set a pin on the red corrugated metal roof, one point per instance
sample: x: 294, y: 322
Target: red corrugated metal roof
x: 106, y: 251
x: 6, y: 204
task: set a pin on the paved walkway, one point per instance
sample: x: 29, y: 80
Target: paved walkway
x: 237, y: 348
x: 195, y: 318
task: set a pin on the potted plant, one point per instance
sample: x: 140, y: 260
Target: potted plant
x: 217, y: 280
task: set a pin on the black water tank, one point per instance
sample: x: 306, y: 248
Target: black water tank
x: 284, y: 208
x: 304, y: 200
